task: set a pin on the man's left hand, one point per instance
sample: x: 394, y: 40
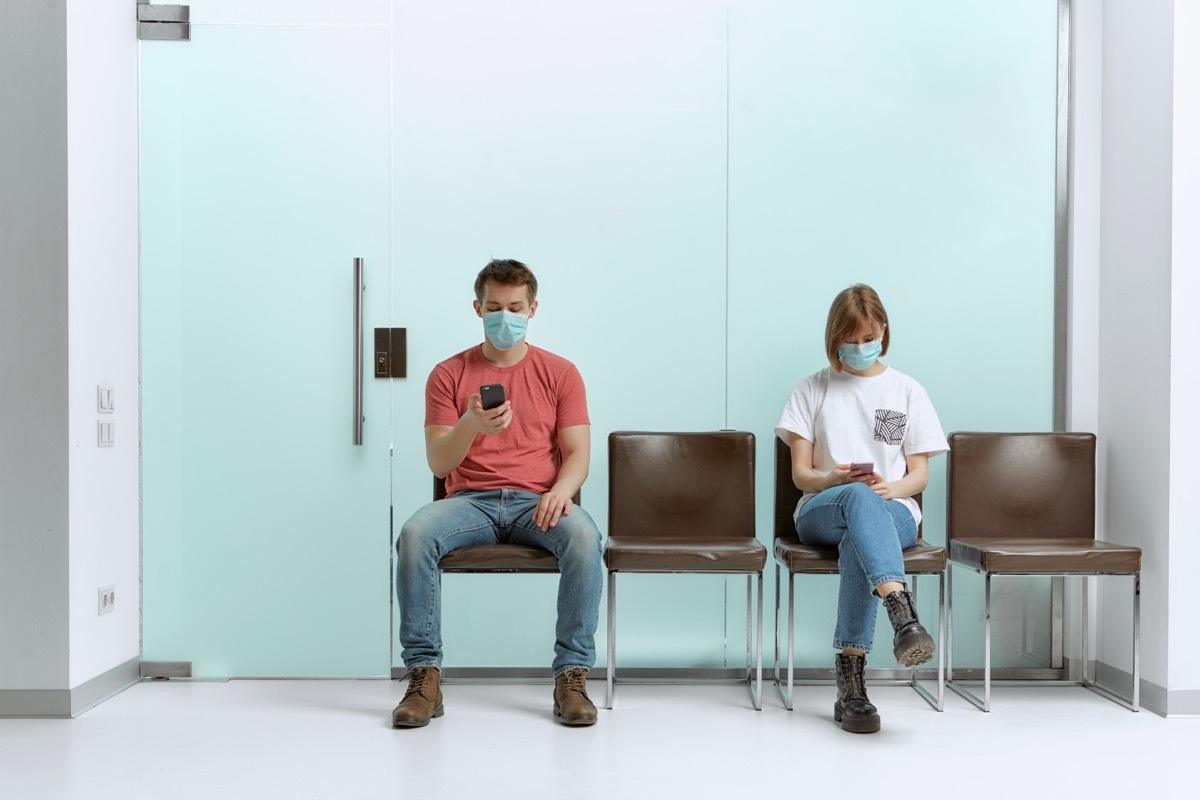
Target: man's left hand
x: 554, y: 504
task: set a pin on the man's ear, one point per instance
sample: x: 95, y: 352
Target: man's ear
x: 478, y: 308
x: 533, y: 309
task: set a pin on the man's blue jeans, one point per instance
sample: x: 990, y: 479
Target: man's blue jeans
x: 869, y: 533
x: 468, y: 518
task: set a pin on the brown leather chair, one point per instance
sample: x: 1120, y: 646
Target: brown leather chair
x: 499, y: 557
x: 920, y: 559
x: 1025, y: 504
x: 683, y: 503
x: 494, y: 558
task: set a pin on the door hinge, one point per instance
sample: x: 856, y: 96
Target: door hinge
x: 172, y: 23
x: 166, y: 669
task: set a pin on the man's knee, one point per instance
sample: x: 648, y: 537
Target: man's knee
x: 579, y: 533
x: 416, y: 535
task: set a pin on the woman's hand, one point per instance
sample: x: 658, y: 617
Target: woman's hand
x: 882, y: 487
x: 842, y: 474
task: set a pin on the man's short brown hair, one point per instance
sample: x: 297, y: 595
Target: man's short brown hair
x: 506, y: 272
x: 851, y: 308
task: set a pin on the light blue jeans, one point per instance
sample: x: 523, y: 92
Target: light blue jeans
x: 466, y: 519
x: 869, y: 533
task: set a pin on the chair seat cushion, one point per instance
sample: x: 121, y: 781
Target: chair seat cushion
x: 673, y: 554
x: 499, y: 558
x: 1045, y: 556
x: 796, y: 557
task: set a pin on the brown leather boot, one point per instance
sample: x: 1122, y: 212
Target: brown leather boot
x: 571, y: 703
x: 422, y: 701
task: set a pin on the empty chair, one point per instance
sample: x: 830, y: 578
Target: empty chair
x: 1025, y: 504
x: 684, y: 503
x: 801, y: 559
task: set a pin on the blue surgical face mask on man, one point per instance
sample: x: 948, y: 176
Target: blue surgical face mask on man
x: 504, y: 328
x: 860, y: 356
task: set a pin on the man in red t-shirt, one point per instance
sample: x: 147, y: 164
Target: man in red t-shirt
x: 510, y: 472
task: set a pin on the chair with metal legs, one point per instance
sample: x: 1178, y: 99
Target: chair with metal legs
x: 684, y: 503
x: 494, y: 558
x: 490, y: 559
x: 922, y: 559
x: 1025, y: 504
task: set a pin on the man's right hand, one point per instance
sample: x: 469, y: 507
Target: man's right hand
x: 489, y: 422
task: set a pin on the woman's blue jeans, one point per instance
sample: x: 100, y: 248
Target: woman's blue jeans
x: 869, y: 533
x: 466, y: 519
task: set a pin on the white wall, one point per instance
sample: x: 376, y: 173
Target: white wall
x: 33, y: 348
x: 1135, y: 326
x: 102, y: 156
x: 1184, y: 655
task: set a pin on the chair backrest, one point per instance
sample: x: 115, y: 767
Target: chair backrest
x: 1021, y: 485
x: 439, y: 491
x: 787, y: 495
x: 693, y: 485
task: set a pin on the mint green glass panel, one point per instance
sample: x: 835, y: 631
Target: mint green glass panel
x: 264, y: 173
x: 909, y: 146
x: 587, y: 140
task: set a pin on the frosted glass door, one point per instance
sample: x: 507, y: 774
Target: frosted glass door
x: 264, y: 173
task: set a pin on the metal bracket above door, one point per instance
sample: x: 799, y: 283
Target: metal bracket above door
x: 162, y: 22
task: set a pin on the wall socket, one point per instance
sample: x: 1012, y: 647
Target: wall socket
x: 106, y: 598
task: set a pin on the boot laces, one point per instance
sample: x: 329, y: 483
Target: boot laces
x: 575, y: 680
x: 853, y: 679
x: 418, y: 680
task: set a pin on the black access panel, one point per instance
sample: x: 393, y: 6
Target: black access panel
x: 391, y: 352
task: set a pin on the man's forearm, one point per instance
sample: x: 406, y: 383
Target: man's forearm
x: 572, y: 473
x: 447, y: 452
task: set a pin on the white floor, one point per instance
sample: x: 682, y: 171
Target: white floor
x: 301, y: 739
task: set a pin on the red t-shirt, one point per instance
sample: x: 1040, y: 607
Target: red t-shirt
x: 546, y: 393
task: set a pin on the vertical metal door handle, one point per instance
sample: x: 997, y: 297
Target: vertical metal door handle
x: 358, y: 351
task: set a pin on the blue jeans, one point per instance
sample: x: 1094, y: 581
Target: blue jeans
x: 466, y: 519
x: 869, y: 533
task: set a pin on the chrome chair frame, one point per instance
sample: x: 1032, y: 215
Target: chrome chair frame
x: 753, y: 686
x: 937, y: 702
x: 985, y: 703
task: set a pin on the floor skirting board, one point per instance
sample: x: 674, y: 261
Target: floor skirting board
x: 67, y: 703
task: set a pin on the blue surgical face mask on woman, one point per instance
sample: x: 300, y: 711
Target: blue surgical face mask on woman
x: 504, y: 328
x: 860, y: 356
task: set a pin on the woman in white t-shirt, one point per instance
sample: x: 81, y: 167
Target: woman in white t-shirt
x: 861, y: 436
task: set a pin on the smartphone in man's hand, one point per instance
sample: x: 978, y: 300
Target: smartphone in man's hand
x: 491, y: 395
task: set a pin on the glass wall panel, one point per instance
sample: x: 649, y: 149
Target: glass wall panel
x: 910, y: 147
x: 587, y: 140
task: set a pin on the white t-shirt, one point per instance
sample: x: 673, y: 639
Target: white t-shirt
x: 848, y: 418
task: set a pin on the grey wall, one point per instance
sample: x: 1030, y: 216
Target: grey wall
x: 33, y: 347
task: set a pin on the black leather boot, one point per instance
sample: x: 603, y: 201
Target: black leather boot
x: 853, y: 709
x: 912, y: 644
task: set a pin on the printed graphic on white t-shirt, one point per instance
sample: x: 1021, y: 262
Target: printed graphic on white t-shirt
x: 890, y: 426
